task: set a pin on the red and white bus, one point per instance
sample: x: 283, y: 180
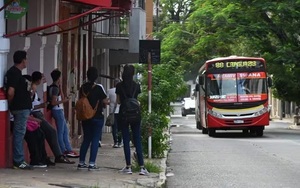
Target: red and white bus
x: 232, y: 93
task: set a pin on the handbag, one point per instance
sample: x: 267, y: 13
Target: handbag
x: 32, y: 125
x: 110, y: 120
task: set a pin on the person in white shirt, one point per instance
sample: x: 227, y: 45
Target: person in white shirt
x: 49, y: 131
x: 114, y: 108
x: 57, y: 100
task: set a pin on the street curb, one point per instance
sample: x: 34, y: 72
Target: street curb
x: 293, y: 126
x: 162, y: 175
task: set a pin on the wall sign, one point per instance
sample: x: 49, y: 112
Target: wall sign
x: 16, y: 9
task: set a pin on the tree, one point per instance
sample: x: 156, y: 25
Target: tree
x: 250, y: 28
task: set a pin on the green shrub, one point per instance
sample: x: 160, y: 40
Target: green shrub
x: 167, y: 86
x: 155, y: 125
x: 150, y: 166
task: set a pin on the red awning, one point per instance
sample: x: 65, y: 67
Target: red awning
x: 122, y: 4
x: 33, y: 30
x: 97, y: 3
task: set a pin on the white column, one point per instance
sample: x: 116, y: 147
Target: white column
x: 4, y: 46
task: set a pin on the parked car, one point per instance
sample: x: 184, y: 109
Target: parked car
x: 188, y: 106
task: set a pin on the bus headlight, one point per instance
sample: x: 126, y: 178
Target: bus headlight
x: 215, y: 114
x: 261, y: 112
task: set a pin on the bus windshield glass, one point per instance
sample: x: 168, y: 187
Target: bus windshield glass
x: 236, y: 87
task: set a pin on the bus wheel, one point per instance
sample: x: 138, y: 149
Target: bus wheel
x: 259, y: 132
x: 204, y: 130
x: 211, y: 132
x: 199, y: 125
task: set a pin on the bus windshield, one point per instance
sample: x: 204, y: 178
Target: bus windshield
x: 236, y: 87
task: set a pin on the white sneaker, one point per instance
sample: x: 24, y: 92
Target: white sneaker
x: 144, y: 171
x: 126, y: 170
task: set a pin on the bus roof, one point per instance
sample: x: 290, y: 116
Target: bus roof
x: 234, y: 57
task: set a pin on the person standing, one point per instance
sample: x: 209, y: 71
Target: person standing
x: 130, y: 89
x: 49, y: 131
x: 57, y: 100
x: 92, y: 128
x: 114, y: 109
x: 19, y: 101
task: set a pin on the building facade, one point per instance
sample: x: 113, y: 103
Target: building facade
x: 70, y: 35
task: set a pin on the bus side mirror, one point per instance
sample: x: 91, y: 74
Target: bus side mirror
x: 270, y: 83
x: 197, y: 87
x: 201, y: 80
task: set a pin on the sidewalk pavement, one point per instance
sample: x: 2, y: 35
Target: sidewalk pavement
x: 289, y: 120
x: 110, y: 160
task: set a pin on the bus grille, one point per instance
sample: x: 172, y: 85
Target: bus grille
x: 231, y: 122
x: 237, y: 116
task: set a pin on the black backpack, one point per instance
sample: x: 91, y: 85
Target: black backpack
x: 49, y: 96
x: 130, y: 109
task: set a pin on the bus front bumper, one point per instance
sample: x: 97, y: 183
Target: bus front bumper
x: 238, y: 123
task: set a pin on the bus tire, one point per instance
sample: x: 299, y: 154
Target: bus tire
x: 199, y: 126
x: 204, y: 130
x: 259, y: 132
x: 211, y: 132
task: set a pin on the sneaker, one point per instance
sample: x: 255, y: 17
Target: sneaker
x: 39, y: 165
x: 49, y: 162
x: 93, y: 167
x: 144, y: 171
x: 126, y: 170
x: 120, y: 145
x: 99, y: 144
x: 71, y: 154
x: 115, y: 145
x: 23, y: 166
x: 82, y: 166
x: 63, y: 159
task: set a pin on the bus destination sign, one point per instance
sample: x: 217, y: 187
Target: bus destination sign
x: 235, y: 64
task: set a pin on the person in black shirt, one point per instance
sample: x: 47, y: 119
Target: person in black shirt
x: 19, y: 101
x: 128, y: 87
x: 92, y: 128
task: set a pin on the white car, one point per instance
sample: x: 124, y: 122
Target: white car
x: 188, y: 106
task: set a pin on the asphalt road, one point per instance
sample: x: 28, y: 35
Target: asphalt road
x: 232, y: 159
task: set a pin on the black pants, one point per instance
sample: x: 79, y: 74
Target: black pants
x: 36, y: 145
x: 49, y: 132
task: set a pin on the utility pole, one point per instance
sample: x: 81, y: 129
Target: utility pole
x: 157, y: 10
x: 149, y: 103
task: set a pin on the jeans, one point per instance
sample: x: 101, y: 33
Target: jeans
x: 116, y: 129
x: 20, y: 120
x: 136, y: 135
x: 62, y: 130
x: 92, y: 130
x: 50, y: 133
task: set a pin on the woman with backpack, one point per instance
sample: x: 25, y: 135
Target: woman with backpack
x: 127, y: 92
x: 92, y: 128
